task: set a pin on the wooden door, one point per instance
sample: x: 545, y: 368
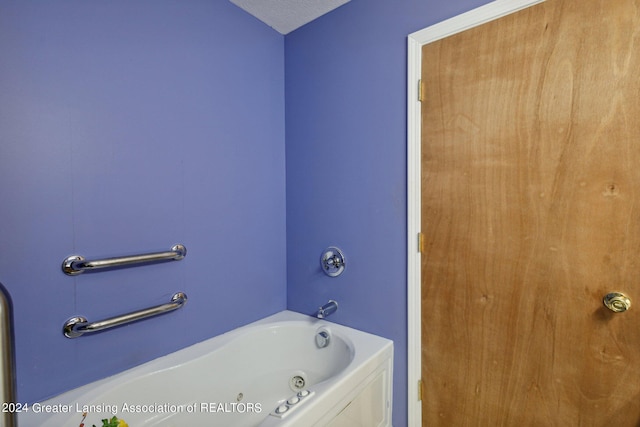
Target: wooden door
x: 530, y: 215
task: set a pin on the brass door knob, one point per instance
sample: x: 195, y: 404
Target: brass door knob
x: 617, y: 302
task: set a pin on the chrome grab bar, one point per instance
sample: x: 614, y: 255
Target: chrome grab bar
x: 78, y: 325
x: 8, y: 417
x: 76, y: 264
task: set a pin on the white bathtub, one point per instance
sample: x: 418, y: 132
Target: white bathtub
x: 240, y: 378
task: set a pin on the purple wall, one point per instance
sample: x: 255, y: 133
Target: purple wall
x: 126, y: 127
x: 346, y: 163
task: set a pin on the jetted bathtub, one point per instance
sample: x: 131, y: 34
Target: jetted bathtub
x: 284, y: 370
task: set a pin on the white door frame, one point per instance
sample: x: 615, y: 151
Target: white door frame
x: 473, y: 18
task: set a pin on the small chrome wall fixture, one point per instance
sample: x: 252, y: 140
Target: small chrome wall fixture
x: 332, y: 261
x: 327, y: 310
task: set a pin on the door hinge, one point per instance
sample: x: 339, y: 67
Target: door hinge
x: 420, y: 389
x: 420, y: 242
x: 420, y: 90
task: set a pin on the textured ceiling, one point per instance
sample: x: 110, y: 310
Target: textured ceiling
x: 286, y: 15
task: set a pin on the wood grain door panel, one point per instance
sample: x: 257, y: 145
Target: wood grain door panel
x: 530, y: 212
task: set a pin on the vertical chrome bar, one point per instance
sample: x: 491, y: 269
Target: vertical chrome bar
x: 7, y: 371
